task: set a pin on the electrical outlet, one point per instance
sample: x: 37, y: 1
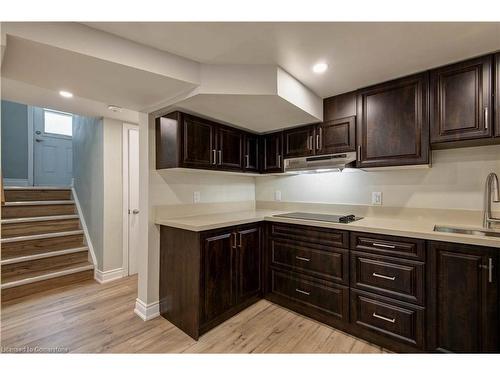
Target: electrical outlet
x: 277, y: 195
x: 377, y: 198
x: 196, y: 197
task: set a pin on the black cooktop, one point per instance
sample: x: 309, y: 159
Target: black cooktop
x: 320, y: 217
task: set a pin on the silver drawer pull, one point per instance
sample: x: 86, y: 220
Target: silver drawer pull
x: 302, y: 291
x: 383, y: 245
x: 392, y: 278
x: 375, y: 315
x: 301, y: 258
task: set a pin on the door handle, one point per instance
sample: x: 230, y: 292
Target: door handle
x: 376, y: 244
x: 247, y: 159
x: 38, y: 140
x: 220, y: 156
x: 302, y: 258
x: 317, y: 142
x: 486, y: 117
x: 302, y: 292
x: 214, y: 157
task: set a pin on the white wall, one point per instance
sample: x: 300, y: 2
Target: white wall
x: 88, y: 177
x: 455, y: 181
x: 113, y: 195
x: 97, y: 173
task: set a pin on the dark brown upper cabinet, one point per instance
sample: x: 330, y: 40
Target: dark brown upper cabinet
x: 229, y: 148
x: 461, y: 101
x: 251, y: 147
x: 299, y: 142
x: 337, y: 132
x: 272, y: 153
x: 393, y: 123
x: 463, y: 298
x: 497, y: 95
x: 187, y: 141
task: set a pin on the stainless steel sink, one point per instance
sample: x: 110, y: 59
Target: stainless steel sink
x: 474, y: 232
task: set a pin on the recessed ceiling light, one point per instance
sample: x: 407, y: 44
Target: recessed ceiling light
x: 65, y: 94
x: 115, y: 108
x: 320, y: 68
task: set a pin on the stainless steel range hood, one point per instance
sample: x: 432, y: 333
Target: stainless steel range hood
x: 320, y: 163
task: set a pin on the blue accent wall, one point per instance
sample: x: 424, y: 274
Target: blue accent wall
x: 14, y: 134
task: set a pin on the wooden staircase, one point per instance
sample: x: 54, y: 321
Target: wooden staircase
x: 42, y: 243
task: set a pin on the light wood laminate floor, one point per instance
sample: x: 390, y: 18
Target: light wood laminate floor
x: 94, y: 318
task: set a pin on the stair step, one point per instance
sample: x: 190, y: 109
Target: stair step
x: 37, y: 194
x: 60, y: 278
x: 27, y: 228
x: 40, y: 236
x: 43, y: 255
x: 38, y: 246
x: 38, y: 267
x: 37, y: 218
x: 12, y: 210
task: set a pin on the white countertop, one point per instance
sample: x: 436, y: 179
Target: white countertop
x: 395, y: 227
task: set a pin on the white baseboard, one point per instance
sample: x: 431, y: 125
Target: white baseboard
x: 147, y: 311
x: 15, y: 182
x: 106, y: 276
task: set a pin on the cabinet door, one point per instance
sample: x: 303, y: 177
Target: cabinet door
x: 198, y: 143
x: 251, y: 153
x: 230, y: 149
x: 217, y: 274
x: 273, y: 158
x: 299, y: 142
x: 393, y: 123
x: 463, y: 304
x: 249, y: 262
x: 496, y: 105
x: 461, y: 101
x: 336, y: 136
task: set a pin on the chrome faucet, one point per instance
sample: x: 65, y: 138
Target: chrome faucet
x: 491, y: 186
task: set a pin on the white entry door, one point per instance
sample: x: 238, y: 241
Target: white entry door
x: 131, y: 195
x: 52, y: 148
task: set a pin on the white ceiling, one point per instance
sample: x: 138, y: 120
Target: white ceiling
x: 359, y: 54
x: 85, y: 76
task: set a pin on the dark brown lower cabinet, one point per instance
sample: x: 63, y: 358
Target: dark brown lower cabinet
x: 207, y: 277
x: 463, y: 305
x: 407, y: 295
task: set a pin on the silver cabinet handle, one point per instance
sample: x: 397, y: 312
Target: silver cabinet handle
x: 220, y: 156
x: 214, y: 157
x: 392, y: 278
x: 359, y: 153
x: 233, y: 240
x: 486, y: 117
x: 241, y: 239
x: 375, y: 315
x: 302, y: 291
x: 278, y: 160
x: 383, y: 245
x: 247, y: 161
x: 317, y: 142
x: 490, y: 270
x: 302, y: 258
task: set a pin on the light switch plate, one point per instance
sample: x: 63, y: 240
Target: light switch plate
x: 377, y: 198
x: 277, y: 195
x: 196, y: 197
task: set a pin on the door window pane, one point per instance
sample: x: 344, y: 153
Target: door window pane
x: 58, y: 123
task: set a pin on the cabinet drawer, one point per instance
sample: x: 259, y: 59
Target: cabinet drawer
x: 398, y: 320
x: 323, y: 262
x: 398, y: 278
x: 401, y: 247
x: 320, y: 236
x: 325, y: 297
